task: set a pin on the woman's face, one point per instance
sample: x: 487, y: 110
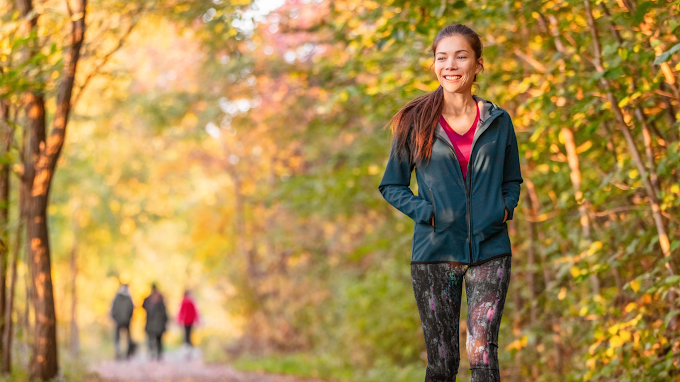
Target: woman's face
x: 455, y: 64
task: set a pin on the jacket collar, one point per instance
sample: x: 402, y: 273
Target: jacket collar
x: 486, y: 109
x: 123, y: 290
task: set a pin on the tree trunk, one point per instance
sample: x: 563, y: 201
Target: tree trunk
x: 6, y: 362
x: 242, y: 247
x: 6, y: 135
x: 27, y: 328
x: 575, y: 176
x: 74, y: 341
x: 39, y: 166
x: 43, y: 364
x: 517, y: 300
x: 550, y: 316
x: 535, y: 212
x: 649, y: 152
x: 239, y: 218
x: 530, y: 265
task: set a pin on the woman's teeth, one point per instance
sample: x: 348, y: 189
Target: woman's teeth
x: 452, y: 78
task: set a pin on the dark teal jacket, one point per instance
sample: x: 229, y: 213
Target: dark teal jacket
x: 468, y: 215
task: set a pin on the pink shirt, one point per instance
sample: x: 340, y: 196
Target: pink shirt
x: 461, y: 143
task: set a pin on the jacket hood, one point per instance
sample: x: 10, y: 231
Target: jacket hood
x: 485, y: 109
x: 124, y: 290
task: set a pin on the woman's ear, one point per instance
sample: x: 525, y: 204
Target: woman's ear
x: 480, y: 65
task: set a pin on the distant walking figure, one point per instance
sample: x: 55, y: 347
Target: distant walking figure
x: 187, y: 316
x: 121, y: 312
x: 464, y: 152
x: 156, y: 320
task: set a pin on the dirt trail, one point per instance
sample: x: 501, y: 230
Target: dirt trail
x: 195, y: 371
x: 178, y: 366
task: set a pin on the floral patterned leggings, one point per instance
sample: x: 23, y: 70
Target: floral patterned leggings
x: 438, y: 289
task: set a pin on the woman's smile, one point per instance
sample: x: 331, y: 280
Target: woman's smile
x: 452, y: 77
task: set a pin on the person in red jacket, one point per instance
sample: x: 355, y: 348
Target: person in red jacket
x: 187, y: 316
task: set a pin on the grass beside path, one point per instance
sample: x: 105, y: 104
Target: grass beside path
x: 328, y: 368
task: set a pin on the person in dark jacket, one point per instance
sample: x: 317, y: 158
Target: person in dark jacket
x: 465, y: 156
x: 121, y: 312
x: 156, y: 321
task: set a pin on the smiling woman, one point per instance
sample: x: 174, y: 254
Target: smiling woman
x: 465, y: 155
x: 455, y: 62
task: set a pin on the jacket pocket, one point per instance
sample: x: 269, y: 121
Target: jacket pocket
x: 502, y: 210
x: 434, y: 211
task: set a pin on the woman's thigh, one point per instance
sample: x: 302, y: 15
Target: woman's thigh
x: 486, y: 286
x: 438, y: 289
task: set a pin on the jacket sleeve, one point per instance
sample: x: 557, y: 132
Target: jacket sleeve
x: 112, y: 312
x: 512, y: 174
x: 181, y: 313
x: 130, y: 308
x: 164, y: 312
x: 394, y: 187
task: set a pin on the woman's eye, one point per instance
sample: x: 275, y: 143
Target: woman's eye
x: 440, y: 58
x: 462, y: 57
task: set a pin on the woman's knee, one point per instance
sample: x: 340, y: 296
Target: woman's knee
x: 482, y: 354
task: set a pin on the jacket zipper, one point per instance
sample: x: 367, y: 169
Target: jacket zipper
x: 434, y: 215
x: 469, y: 176
x: 467, y: 194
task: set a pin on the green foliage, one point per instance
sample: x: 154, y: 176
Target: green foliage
x: 665, y: 56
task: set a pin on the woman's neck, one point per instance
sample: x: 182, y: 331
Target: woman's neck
x: 456, y: 104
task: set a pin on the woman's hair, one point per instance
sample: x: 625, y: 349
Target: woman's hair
x: 413, y: 126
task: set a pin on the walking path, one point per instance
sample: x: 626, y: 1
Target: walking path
x: 175, y: 367
x: 181, y: 372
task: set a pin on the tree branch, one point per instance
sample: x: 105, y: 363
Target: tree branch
x: 530, y: 60
x: 107, y: 56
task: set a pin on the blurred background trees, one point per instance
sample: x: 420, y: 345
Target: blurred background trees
x: 235, y: 151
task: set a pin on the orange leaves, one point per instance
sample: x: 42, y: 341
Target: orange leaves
x: 518, y: 344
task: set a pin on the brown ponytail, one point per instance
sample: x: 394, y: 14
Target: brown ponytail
x: 413, y: 126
